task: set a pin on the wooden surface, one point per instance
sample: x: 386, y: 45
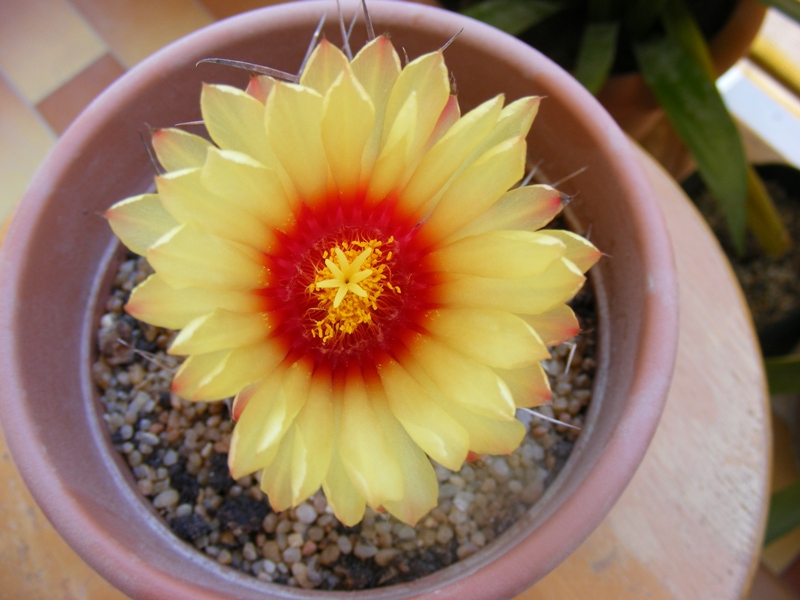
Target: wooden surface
x: 690, y: 524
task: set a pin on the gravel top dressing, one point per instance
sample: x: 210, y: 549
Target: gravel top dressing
x: 770, y: 285
x: 177, y: 451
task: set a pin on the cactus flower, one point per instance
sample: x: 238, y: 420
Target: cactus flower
x: 350, y: 259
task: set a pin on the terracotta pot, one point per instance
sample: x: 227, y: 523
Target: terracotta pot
x: 58, y: 249
x: 634, y: 107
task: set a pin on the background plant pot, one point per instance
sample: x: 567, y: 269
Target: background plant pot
x: 57, y: 252
x: 634, y: 107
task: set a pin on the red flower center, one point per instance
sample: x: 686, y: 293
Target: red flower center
x: 345, y: 282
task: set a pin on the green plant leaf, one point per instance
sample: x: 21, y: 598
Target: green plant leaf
x: 596, y: 55
x: 791, y: 8
x: 784, y: 513
x: 604, y: 10
x: 513, y: 16
x: 764, y: 219
x: 681, y: 26
x: 783, y: 374
x: 762, y: 216
x: 641, y: 15
x: 696, y: 110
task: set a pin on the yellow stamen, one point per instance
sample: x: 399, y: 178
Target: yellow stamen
x: 360, y: 269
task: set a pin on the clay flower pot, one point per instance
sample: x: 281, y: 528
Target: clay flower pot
x: 54, y: 272
x: 634, y: 107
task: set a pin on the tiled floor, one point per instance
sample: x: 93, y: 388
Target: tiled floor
x: 57, y: 55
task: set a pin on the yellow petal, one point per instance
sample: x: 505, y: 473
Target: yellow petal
x: 420, y: 487
x: 324, y: 66
x: 462, y: 379
x: 177, y: 149
x: 445, y: 159
x: 510, y: 253
x: 530, y: 207
x: 555, y: 325
x: 140, y: 221
x: 347, y: 503
x: 240, y: 368
x: 276, y: 478
x: 486, y: 435
x: 249, y: 185
x: 427, y: 78
x: 188, y: 257
x: 395, y: 156
x: 154, y: 302
x: 532, y: 295
x: 194, y: 370
x: 376, y: 67
x: 580, y: 251
x: 476, y: 189
x: 313, y: 441
x: 515, y: 121
x: 293, y: 116
x: 220, y: 330
x: 267, y: 417
x: 493, y: 337
x: 529, y: 385
x: 363, y: 447
x: 235, y: 121
x: 186, y: 198
x: 451, y: 113
x: 259, y: 87
x: 347, y: 122
x: 431, y: 428
x: 242, y: 398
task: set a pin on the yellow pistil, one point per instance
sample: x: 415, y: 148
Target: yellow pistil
x: 349, y: 288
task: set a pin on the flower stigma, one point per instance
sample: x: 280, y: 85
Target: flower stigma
x: 349, y: 288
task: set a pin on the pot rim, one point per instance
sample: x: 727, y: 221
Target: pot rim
x: 476, y: 577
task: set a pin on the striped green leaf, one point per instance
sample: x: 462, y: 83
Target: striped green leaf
x: 596, y: 55
x: 696, y: 110
x: 513, y: 16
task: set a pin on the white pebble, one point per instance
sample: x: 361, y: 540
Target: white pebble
x: 364, y: 551
x: 386, y: 556
x: 300, y: 572
x: 442, y: 474
x: 291, y: 555
x: 170, y: 458
x: 345, y: 545
x: 465, y: 550
x: 166, y: 498
x: 444, y: 534
x: 532, y: 492
x: 306, y: 513
x: 269, y: 566
x: 448, y: 490
x: 499, y: 470
x: 463, y: 500
x: 406, y: 532
x: 249, y: 552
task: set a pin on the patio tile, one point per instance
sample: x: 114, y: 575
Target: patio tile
x: 45, y: 43
x: 26, y: 140
x: 61, y: 107
x: 226, y: 8
x: 134, y: 29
